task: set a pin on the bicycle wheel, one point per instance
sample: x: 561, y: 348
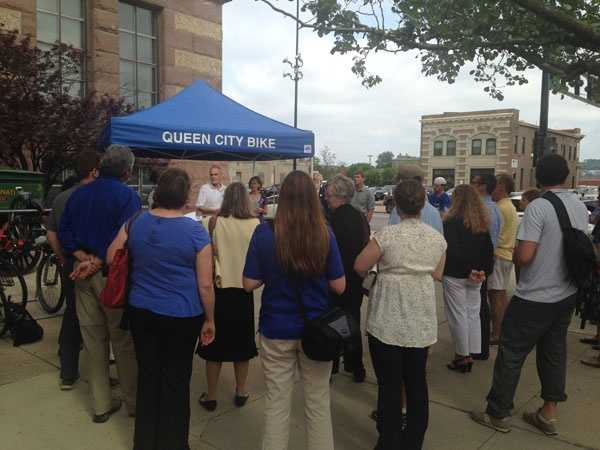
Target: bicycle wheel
x: 13, y: 284
x: 3, y: 322
x: 22, y: 230
x: 49, y: 283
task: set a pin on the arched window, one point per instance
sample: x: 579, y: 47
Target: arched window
x: 451, y: 148
x: 490, y: 146
x: 438, y: 148
x: 476, y: 147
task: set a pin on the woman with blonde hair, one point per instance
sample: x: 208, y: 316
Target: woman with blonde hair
x: 230, y: 230
x: 469, y: 260
x: 297, y: 259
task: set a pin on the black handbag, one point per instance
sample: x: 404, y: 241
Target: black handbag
x: 325, y: 337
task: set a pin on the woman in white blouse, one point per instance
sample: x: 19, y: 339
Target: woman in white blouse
x: 401, y: 319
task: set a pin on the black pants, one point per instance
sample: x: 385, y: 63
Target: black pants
x: 69, y: 338
x: 352, y: 303
x: 395, y: 366
x: 164, y: 349
x: 526, y: 325
x: 484, y: 316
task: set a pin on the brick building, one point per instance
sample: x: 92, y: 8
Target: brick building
x: 142, y: 50
x: 461, y: 145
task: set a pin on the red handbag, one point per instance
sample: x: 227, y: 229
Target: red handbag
x: 114, y: 294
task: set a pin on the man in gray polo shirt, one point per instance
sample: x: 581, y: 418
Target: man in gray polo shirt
x: 69, y: 339
x: 363, y: 199
x: 540, y: 312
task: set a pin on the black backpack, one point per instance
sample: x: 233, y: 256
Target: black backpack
x: 23, y: 328
x: 581, y: 262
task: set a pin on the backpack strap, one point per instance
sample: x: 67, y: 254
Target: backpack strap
x: 559, y: 207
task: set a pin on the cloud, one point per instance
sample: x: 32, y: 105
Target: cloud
x: 352, y: 120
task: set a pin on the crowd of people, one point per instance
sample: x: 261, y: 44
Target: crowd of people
x: 191, y: 292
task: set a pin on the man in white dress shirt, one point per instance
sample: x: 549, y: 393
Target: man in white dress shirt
x: 210, y: 196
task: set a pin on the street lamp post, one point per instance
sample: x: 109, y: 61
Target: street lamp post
x: 296, y: 74
x: 542, y: 146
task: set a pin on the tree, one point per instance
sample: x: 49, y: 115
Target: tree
x: 384, y: 159
x: 42, y: 126
x: 326, y: 162
x: 501, y: 38
x: 353, y: 168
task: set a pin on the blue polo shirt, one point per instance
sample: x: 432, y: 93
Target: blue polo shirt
x: 280, y: 313
x: 440, y: 202
x: 163, y: 277
x: 95, y: 213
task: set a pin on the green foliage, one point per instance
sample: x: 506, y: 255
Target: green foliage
x: 384, y: 160
x: 501, y: 39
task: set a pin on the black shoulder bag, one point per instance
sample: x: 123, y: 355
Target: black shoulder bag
x: 581, y: 263
x: 324, y: 338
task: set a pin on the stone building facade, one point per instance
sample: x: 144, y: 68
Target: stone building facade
x: 143, y: 50
x: 461, y: 145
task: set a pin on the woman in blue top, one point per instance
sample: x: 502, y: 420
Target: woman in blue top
x: 172, y: 302
x: 296, y: 258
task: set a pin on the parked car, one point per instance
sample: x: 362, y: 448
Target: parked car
x: 379, y: 193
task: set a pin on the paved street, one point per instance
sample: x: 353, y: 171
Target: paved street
x: 36, y: 415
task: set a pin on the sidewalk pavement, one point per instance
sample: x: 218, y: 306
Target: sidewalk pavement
x: 36, y: 415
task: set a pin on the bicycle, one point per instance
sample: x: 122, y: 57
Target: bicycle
x: 49, y: 279
x: 12, y: 281
x: 23, y: 228
x: 3, y: 321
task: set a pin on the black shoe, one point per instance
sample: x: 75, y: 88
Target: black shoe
x: 480, y: 356
x: 101, y: 418
x: 240, y: 400
x: 209, y: 405
x: 359, y: 375
x: 68, y: 384
x: 462, y: 365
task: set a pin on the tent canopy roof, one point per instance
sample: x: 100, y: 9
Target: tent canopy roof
x: 201, y: 123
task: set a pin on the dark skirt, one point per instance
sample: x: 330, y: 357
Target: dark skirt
x: 234, y: 323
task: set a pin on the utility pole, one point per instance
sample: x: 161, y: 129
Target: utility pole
x: 296, y: 74
x: 542, y: 144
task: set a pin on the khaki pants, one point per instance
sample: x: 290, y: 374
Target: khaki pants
x: 280, y: 360
x: 99, y: 328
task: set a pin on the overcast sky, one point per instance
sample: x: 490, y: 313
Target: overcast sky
x: 350, y: 119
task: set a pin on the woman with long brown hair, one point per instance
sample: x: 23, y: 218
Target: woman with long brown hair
x: 297, y: 260
x: 230, y: 232
x: 470, y: 259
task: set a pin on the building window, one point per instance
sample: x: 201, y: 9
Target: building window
x: 516, y: 150
x: 523, y: 145
x: 451, y: 148
x: 563, y: 150
x: 490, y: 146
x: 476, y: 147
x: 575, y: 153
x: 448, y: 174
x: 481, y: 172
x: 138, y: 52
x: 438, y: 148
x: 63, y: 21
x: 521, y: 180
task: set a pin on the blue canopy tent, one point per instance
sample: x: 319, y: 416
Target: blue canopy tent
x: 202, y: 123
